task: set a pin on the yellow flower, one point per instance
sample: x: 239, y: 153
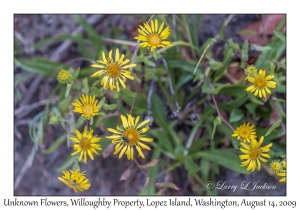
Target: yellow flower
x: 75, y: 180
x: 283, y: 173
x: 88, y: 106
x: 254, y: 153
x: 64, y: 76
x: 152, y: 36
x: 250, y: 70
x: 245, y: 132
x: 261, y: 84
x: 114, y: 71
x: 130, y: 136
x: 275, y: 166
x: 85, y: 144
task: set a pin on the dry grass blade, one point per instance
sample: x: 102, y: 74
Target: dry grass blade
x: 147, y: 165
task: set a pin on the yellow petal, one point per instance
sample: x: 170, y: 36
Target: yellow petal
x: 117, y: 55
x: 140, y: 151
x: 98, y: 66
x: 161, y: 27
x: 146, y: 139
x: 156, y: 25
x: 122, y: 152
x: 144, y: 146
x: 143, y: 123
x: 103, y: 57
x: 129, y: 66
x: 124, y: 121
x: 90, y: 154
x: 128, y: 76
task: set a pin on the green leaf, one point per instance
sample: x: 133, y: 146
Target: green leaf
x: 280, y: 36
x: 256, y: 100
x: 148, y: 62
x: 236, y: 115
x: 191, y: 166
x: 77, y: 72
x: 224, y: 157
x: 261, y: 48
x: 82, y: 119
x: 66, y: 164
x: 233, y: 104
x: 221, y: 32
x: 85, y: 85
x: 274, y: 126
x: 217, y: 90
x: 279, y: 99
x: 109, y: 107
x: 129, y: 92
x: 217, y: 122
x: 96, y: 91
x: 156, y: 55
x: 91, y: 120
x: 249, y: 32
x: 167, y: 184
x: 101, y: 102
x: 233, y: 45
x: 68, y: 90
x: 245, y: 49
x: 56, y: 144
x: 40, y: 66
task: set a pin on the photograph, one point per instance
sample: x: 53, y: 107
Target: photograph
x: 149, y: 105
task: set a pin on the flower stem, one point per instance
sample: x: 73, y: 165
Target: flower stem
x: 215, y: 102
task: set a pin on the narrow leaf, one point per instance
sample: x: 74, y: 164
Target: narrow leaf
x: 217, y: 122
x: 217, y: 90
x: 280, y: 36
x: 96, y: 91
x: 76, y: 73
x: 85, y: 85
x: 68, y: 90
x: 275, y: 125
x: 101, y: 102
x: 245, y: 49
x: 109, y: 107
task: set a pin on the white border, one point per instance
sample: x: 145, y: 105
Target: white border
x: 152, y: 6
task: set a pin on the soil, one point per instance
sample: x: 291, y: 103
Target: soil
x: 41, y: 177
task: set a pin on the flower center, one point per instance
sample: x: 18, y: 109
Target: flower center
x: 132, y: 135
x: 113, y: 70
x: 244, y: 133
x: 85, y: 144
x: 63, y: 75
x: 255, y: 153
x: 88, y: 109
x: 275, y: 166
x: 260, y: 82
x: 154, y: 39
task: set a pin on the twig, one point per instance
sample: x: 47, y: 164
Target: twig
x: 27, y: 108
x: 132, y: 105
x: 171, y: 86
x: 278, y: 114
x: 26, y: 165
x: 151, y: 180
x: 215, y: 102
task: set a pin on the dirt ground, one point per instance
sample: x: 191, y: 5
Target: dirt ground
x: 41, y: 178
